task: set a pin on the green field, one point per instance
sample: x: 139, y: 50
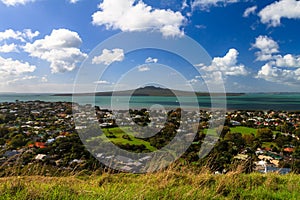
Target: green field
x: 162, y: 185
x: 238, y: 129
x: 243, y: 130
x: 119, y: 133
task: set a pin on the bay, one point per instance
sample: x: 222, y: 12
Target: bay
x: 252, y: 101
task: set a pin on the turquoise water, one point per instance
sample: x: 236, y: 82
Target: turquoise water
x: 281, y: 101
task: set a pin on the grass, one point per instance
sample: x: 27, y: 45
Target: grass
x: 269, y: 144
x: 162, y: 185
x: 119, y: 133
x: 239, y: 129
x: 243, y: 130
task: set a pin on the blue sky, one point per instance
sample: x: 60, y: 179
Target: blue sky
x: 254, y: 45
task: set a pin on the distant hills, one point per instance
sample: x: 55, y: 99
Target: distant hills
x: 151, y: 91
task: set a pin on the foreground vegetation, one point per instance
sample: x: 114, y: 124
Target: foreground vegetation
x: 162, y: 185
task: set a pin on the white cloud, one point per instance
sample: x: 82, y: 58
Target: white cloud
x: 273, y: 13
x: 267, y: 47
x: 102, y: 82
x: 73, y: 1
x: 271, y: 73
x: 143, y: 68
x: 228, y: 65
x: 184, y: 5
x: 249, y: 11
x: 200, y: 26
x: 151, y: 60
x: 60, y: 48
x: 287, y: 61
x: 13, y: 68
x: 109, y: 56
x: 193, y: 81
x: 44, y: 79
x: 205, y: 4
x: 214, y: 79
x: 21, y: 79
x: 279, y: 69
x: 7, y: 48
x: 129, y: 15
x: 27, y: 34
x: 16, y: 2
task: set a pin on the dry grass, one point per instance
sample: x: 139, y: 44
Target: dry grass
x: 167, y: 184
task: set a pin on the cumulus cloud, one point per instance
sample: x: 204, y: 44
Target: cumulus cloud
x: 193, y: 81
x: 214, y: 79
x: 151, y: 60
x: 7, y: 48
x: 249, y: 11
x: 228, y: 65
x: 143, y: 68
x: 129, y: 15
x: 267, y: 47
x: 288, y: 60
x: 60, y: 49
x: 22, y: 36
x: 109, y: 56
x: 16, y: 2
x: 284, y: 69
x: 205, y: 4
x: 279, y: 75
x: 10, y: 68
x: 273, y: 13
x: 28, y: 34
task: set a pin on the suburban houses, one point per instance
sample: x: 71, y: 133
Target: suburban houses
x: 47, y: 133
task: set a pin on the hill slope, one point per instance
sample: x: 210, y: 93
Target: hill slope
x: 165, y: 185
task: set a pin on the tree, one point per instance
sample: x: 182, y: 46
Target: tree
x: 235, y: 138
x: 264, y: 134
x: 18, y: 141
x: 249, y: 139
x: 222, y: 130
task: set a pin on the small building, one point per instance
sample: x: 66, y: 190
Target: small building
x: 40, y: 157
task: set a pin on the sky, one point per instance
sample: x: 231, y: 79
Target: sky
x: 46, y: 45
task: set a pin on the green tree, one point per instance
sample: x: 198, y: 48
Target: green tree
x: 264, y: 134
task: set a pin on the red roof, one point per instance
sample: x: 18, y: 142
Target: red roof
x: 289, y: 150
x: 267, y: 149
x: 41, y: 145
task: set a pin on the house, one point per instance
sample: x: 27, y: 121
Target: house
x: 289, y: 150
x: 9, y: 154
x: 235, y: 123
x: 40, y: 157
x: 40, y: 145
x: 241, y: 157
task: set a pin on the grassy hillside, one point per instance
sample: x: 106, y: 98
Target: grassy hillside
x: 162, y: 185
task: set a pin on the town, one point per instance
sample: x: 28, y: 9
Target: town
x: 46, y: 134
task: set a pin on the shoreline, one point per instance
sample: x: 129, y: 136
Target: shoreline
x: 166, y: 107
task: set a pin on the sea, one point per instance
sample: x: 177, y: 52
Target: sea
x: 251, y: 101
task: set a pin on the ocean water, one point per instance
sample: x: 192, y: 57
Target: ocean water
x: 263, y: 101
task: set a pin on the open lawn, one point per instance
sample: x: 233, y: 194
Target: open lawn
x: 119, y: 133
x: 243, y: 130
